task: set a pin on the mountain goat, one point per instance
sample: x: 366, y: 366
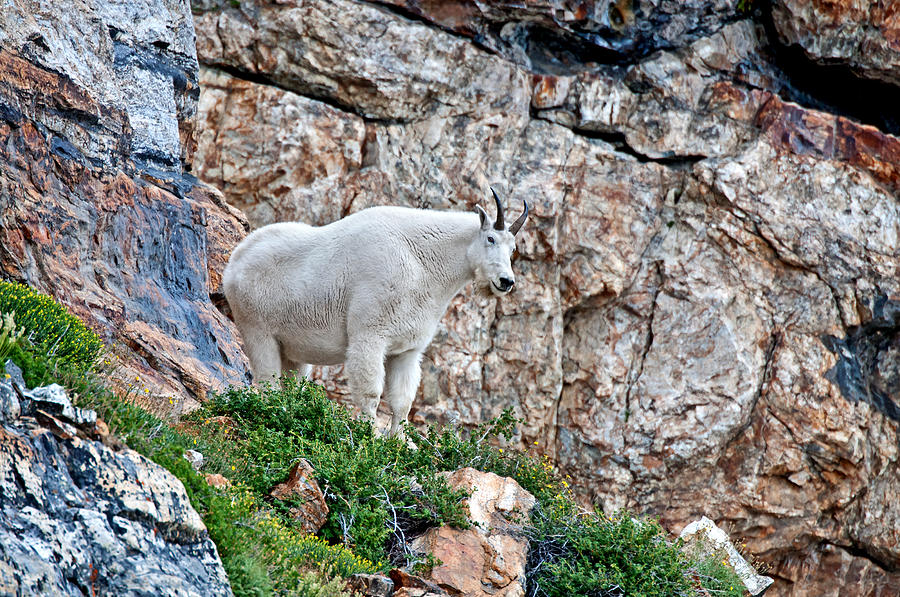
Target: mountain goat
x: 367, y: 291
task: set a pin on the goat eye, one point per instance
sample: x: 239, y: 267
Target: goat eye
x: 491, y: 240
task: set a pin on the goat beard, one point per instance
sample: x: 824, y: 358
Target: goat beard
x: 483, y: 290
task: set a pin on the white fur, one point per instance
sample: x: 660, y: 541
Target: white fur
x: 367, y: 291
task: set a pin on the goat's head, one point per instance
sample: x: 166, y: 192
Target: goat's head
x: 490, y: 252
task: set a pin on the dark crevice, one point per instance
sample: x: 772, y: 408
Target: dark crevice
x: 261, y: 79
x: 765, y: 379
x: 419, y: 17
x: 543, y: 49
x: 545, y: 44
x: 833, y: 88
x: 648, y: 341
x: 864, y: 370
x: 553, y: 52
x: 858, y: 551
x: 620, y: 142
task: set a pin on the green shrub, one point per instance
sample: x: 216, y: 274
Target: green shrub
x: 368, y: 479
x: 573, y: 552
x: 9, y: 336
x: 54, y: 338
x: 261, y: 555
x: 595, y: 555
x: 717, y: 577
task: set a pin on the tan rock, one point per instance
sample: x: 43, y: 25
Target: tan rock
x: 487, y: 559
x: 217, y: 480
x: 301, y: 485
x: 864, y: 35
x: 244, y: 123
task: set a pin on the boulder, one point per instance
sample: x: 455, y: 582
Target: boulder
x: 54, y: 400
x: 81, y: 518
x: 489, y: 558
x: 311, y: 512
x: 371, y: 585
x: 195, y: 458
x: 702, y: 539
x: 411, y: 585
x: 217, y: 480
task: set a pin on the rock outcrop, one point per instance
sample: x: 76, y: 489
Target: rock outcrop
x: 703, y: 539
x: 311, y: 513
x: 863, y: 35
x: 490, y: 557
x: 707, y: 293
x: 80, y: 518
x: 97, y: 107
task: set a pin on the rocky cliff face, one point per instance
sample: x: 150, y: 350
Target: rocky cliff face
x: 97, y: 106
x: 706, y: 319
x: 82, y: 515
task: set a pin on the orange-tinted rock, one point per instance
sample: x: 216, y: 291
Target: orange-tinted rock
x: 415, y: 584
x: 488, y: 559
x: 863, y: 35
x: 217, y: 480
x: 301, y: 485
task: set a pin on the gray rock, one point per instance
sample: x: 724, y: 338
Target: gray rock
x: 15, y: 374
x: 371, y: 585
x: 10, y: 407
x: 136, y: 59
x: 195, y: 458
x: 54, y: 400
x: 78, y: 518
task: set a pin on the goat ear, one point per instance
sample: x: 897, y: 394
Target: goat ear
x: 485, y: 223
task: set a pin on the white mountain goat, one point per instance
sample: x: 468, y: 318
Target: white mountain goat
x: 367, y: 291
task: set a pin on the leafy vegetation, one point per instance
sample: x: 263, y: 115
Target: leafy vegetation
x: 9, y: 336
x: 52, y: 338
x: 375, y: 484
x: 381, y: 491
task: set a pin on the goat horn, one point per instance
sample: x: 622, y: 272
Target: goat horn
x: 499, y: 224
x: 521, y: 220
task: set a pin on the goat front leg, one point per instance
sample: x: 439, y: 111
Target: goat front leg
x: 403, y: 375
x: 365, y: 374
x: 264, y: 354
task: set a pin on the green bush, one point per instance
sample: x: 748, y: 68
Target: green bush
x: 595, y: 555
x: 261, y: 555
x: 368, y: 479
x: 53, y: 337
x: 9, y: 336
